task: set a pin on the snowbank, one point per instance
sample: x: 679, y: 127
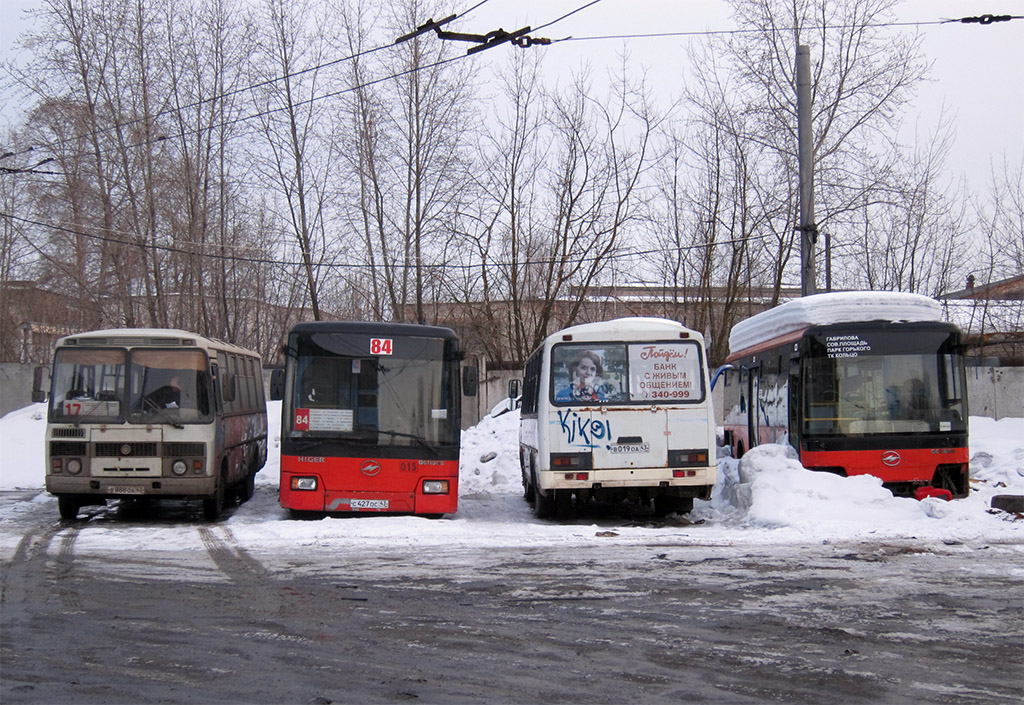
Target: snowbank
x: 767, y: 496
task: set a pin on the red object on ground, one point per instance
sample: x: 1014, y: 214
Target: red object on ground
x: 929, y: 491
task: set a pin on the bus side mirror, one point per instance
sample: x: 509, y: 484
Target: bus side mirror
x: 277, y: 385
x: 470, y: 380
x: 513, y: 388
x: 39, y: 375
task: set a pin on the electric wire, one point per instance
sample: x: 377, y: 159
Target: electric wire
x: 78, y: 232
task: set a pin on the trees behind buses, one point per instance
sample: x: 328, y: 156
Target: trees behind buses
x: 153, y: 413
x: 618, y: 410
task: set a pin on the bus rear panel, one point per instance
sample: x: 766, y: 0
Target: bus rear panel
x: 618, y: 411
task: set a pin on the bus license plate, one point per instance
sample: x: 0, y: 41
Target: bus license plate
x: 369, y: 503
x: 126, y: 489
x: 630, y: 448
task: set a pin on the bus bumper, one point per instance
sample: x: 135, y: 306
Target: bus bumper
x: 624, y: 478
x: 127, y: 487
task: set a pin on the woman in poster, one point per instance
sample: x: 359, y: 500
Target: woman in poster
x: 585, y: 371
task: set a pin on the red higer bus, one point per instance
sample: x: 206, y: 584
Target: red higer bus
x: 858, y: 383
x: 371, y: 418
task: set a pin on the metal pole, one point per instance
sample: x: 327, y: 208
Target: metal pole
x: 805, y: 139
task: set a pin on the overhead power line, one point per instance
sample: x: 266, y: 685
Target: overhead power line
x: 78, y: 232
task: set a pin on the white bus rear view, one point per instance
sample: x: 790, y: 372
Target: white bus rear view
x: 618, y: 410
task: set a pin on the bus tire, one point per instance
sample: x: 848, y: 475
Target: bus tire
x: 543, y: 504
x: 214, y: 505
x: 529, y: 482
x: 247, y: 487
x: 68, y: 505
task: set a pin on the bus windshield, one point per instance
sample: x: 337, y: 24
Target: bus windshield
x: 871, y: 383
x: 88, y: 385
x: 147, y: 386
x: 400, y: 398
x: 169, y: 385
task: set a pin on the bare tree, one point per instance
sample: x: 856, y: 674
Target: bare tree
x: 862, y: 76
x: 295, y: 125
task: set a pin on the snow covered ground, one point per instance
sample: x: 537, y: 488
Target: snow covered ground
x: 767, y: 498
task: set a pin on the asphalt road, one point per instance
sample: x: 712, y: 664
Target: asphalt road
x: 666, y: 621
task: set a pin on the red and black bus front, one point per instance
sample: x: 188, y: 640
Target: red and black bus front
x: 889, y: 400
x: 371, y: 419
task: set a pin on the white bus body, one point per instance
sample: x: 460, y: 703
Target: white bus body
x: 143, y: 413
x: 641, y: 428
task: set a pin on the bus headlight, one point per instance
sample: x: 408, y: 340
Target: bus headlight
x: 303, y: 483
x: 179, y: 467
x: 74, y: 466
x: 435, y: 487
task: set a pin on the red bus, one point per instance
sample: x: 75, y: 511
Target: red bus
x: 858, y: 383
x: 371, y: 418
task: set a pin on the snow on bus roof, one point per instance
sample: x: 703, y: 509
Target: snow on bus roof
x: 627, y: 325
x: 834, y: 307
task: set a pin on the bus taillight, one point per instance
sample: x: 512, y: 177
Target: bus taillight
x: 687, y: 458
x: 566, y: 461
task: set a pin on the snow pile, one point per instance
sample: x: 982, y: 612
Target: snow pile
x: 767, y: 496
x: 23, y: 439
x: 489, y: 462
x: 834, y: 307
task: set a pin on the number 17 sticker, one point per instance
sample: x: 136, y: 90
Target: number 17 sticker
x: 380, y: 346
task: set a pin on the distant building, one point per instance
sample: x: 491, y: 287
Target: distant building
x: 992, y: 318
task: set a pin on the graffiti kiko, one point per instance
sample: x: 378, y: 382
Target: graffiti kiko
x: 581, y: 431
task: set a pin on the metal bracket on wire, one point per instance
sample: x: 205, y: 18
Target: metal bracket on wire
x: 492, y: 39
x: 986, y: 19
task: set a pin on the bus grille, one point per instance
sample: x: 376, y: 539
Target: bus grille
x: 67, y: 433
x: 113, y: 450
x: 177, y: 450
x: 66, y: 448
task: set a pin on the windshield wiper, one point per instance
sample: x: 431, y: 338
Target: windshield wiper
x: 419, y: 439
x: 164, y: 416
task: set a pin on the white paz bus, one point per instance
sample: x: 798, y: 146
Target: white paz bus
x: 153, y: 413
x: 618, y: 410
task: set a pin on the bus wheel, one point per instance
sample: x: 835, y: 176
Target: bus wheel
x: 529, y: 482
x: 213, y: 506
x: 68, y: 506
x: 543, y: 505
x: 247, y: 487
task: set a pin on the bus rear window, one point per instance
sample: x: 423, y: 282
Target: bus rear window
x: 627, y: 373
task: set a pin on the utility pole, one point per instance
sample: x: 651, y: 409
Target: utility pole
x: 805, y: 139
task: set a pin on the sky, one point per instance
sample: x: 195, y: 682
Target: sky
x: 975, y: 78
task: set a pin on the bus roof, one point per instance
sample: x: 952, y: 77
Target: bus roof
x: 130, y: 337
x: 373, y: 328
x: 651, y: 328
x: 797, y: 315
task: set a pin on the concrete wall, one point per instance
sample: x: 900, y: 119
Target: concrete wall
x: 15, y: 386
x: 996, y: 392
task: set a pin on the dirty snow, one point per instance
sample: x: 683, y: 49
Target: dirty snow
x: 765, y: 498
